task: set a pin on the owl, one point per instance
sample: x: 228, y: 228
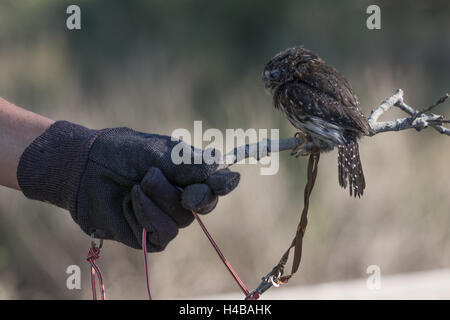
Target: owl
x: 320, y: 102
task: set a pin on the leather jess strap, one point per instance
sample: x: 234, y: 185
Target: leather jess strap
x: 297, y: 242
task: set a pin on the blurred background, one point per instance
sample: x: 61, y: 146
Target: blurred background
x: 159, y: 65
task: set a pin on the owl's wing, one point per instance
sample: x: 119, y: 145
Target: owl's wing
x: 303, y: 100
x: 325, y: 79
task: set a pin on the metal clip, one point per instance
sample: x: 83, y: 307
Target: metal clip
x: 93, y: 244
x: 266, y: 282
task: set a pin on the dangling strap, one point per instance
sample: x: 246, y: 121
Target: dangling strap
x: 94, y: 254
x: 313, y: 163
x: 144, y: 249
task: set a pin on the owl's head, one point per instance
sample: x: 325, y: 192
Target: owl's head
x: 284, y: 66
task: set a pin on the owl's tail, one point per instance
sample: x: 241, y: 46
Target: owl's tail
x: 350, y: 169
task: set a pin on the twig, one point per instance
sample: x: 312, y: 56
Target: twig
x: 438, y: 102
x: 418, y: 120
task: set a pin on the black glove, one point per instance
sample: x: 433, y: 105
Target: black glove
x: 117, y: 181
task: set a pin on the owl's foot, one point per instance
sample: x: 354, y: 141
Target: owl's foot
x: 300, y: 135
x: 302, y: 149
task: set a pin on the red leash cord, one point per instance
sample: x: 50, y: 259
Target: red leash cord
x: 224, y: 260
x: 144, y: 248
x: 94, y: 254
x: 215, y: 246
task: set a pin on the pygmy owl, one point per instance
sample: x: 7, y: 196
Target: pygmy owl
x: 321, y: 103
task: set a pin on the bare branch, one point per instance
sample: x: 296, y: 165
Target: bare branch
x: 418, y: 119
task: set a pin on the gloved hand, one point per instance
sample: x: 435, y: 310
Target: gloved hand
x: 117, y: 181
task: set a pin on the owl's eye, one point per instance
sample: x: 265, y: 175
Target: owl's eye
x: 273, y: 74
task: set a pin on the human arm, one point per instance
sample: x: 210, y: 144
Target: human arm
x: 18, y: 128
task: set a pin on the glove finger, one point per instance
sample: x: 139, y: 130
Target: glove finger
x: 223, y: 181
x: 199, y: 197
x: 161, y: 229
x: 166, y: 196
x: 186, y: 170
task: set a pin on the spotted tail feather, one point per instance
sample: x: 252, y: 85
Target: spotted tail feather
x: 350, y: 170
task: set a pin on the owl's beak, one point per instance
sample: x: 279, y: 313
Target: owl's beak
x: 271, y: 79
x: 267, y: 89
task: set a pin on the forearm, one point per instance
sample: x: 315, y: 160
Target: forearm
x: 18, y: 128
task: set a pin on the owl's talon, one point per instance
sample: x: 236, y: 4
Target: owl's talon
x: 300, y: 135
x: 301, y: 149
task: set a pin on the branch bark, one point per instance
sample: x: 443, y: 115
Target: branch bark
x: 417, y: 119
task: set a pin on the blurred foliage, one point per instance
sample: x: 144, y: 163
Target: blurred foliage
x: 159, y: 65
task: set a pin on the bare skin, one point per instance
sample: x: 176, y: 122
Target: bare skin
x: 18, y: 128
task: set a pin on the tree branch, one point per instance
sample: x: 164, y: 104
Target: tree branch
x: 259, y: 150
x: 418, y: 119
